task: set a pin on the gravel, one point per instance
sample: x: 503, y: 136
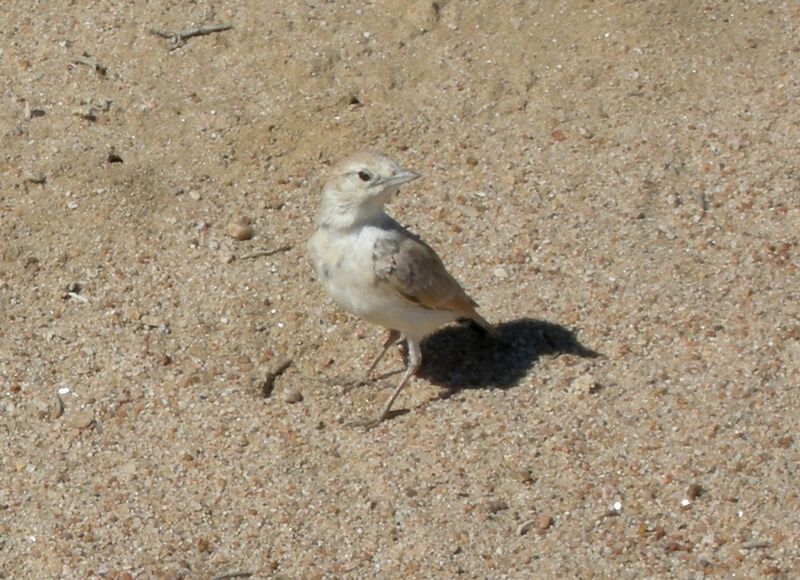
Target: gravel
x: 616, y: 185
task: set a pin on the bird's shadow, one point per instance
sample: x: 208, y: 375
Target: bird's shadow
x: 456, y: 357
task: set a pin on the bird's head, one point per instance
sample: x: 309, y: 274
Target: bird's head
x: 359, y: 187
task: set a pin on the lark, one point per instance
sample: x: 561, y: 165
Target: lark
x: 378, y: 270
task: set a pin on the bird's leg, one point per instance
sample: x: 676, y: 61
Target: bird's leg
x: 414, y: 359
x: 394, y: 336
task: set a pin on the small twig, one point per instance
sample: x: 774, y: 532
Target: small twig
x: 233, y: 575
x: 78, y: 297
x: 266, y: 252
x: 91, y: 63
x: 283, y: 365
x: 178, y: 39
x: 269, y: 381
x: 702, y: 201
x: 525, y: 527
x: 756, y: 544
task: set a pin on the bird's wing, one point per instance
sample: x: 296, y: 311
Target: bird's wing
x: 411, y: 267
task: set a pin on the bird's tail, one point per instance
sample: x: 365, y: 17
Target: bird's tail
x: 482, y: 326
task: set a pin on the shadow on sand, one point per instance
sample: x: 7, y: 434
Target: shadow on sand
x: 457, y: 357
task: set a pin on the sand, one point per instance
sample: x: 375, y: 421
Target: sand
x: 617, y: 184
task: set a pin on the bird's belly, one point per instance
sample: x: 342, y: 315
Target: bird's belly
x: 383, y: 306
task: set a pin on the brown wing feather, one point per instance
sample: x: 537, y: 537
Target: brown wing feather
x: 412, y: 268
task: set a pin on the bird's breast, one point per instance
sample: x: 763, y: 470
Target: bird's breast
x: 343, y: 261
x: 345, y: 264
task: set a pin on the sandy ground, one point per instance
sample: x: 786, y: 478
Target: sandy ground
x: 618, y: 178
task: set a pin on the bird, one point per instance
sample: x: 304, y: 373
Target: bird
x: 375, y: 268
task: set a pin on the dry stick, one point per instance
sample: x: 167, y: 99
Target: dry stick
x: 178, y: 39
x: 233, y: 575
x: 269, y: 381
x: 92, y: 64
x: 78, y: 297
x: 265, y: 252
x: 756, y: 544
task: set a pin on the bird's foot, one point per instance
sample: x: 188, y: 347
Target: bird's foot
x: 364, y: 381
x: 368, y: 423
x: 346, y: 383
x: 354, y: 384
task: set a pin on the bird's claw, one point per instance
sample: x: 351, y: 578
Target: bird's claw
x: 366, y: 423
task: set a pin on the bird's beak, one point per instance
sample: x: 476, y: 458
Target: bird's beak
x: 400, y: 178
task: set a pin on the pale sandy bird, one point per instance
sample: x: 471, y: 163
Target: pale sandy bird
x: 375, y: 268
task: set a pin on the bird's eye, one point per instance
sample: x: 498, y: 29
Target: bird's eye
x: 364, y: 175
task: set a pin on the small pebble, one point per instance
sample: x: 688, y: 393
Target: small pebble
x: 30, y: 112
x: 675, y: 546
x: 704, y: 561
x: 585, y: 384
x: 127, y: 469
x: 203, y: 545
x: 470, y: 211
x: 240, y: 231
x: 195, y: 195
x: 543, y: 522
x: 80, y: 419
x: 522, y: 475
x: 292, y: 396
x: 35, y: 177
x: 673, y: 200
x: 496, y: 505
x: 472, y: 161
x: 694, y: 491
x: 500, y: 272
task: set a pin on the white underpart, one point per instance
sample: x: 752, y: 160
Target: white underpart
x: 344, y: 264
